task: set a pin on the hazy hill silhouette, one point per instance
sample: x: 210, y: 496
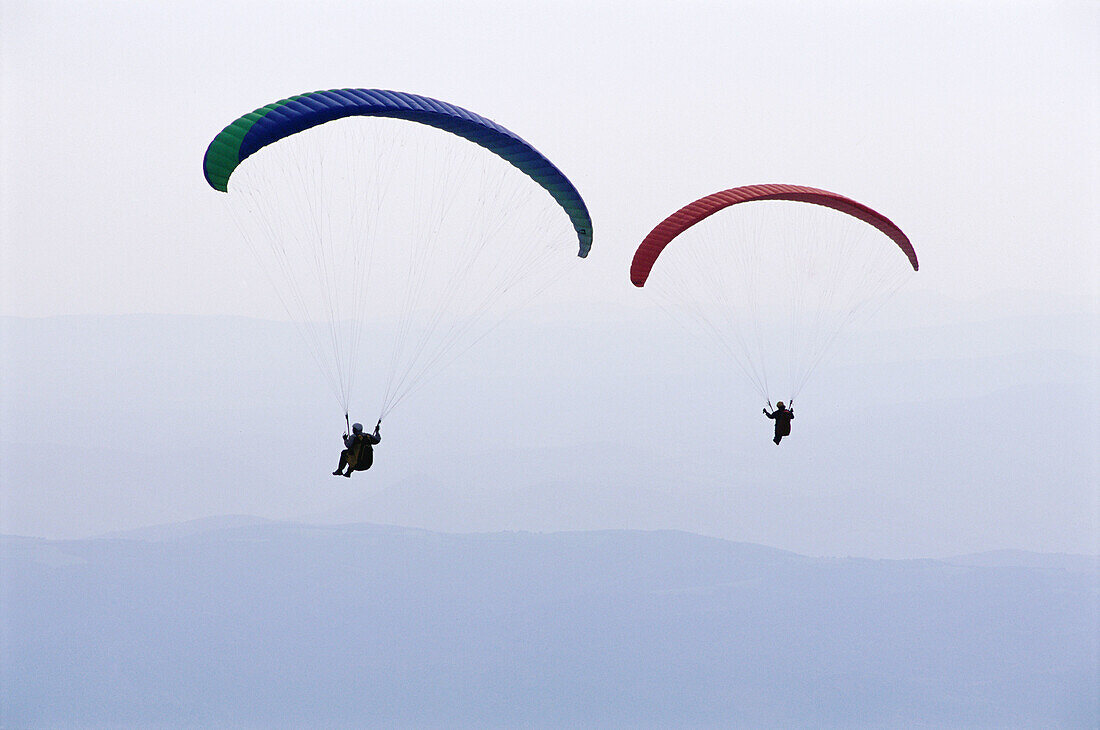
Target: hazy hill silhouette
x: 226, y: 623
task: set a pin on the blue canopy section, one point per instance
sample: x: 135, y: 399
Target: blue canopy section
x: 254, y: 131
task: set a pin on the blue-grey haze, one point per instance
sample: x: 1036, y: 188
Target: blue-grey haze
x: 930, y: 438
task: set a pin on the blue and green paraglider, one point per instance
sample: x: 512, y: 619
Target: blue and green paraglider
x: 392, y: 241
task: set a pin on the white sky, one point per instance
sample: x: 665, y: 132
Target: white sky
x: 972, y: 125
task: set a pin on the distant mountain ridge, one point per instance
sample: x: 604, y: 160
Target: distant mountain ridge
x: 279, y: 624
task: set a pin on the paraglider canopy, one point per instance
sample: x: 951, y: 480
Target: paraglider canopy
x: 269, y: 124
x: 693, y: 213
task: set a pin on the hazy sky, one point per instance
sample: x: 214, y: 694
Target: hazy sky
x: 973, y: 126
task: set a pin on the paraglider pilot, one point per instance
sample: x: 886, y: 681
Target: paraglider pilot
x: 782, y: 417
x: 359, y: 454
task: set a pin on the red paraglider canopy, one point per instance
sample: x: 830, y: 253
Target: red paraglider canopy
x: 692, y: 213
